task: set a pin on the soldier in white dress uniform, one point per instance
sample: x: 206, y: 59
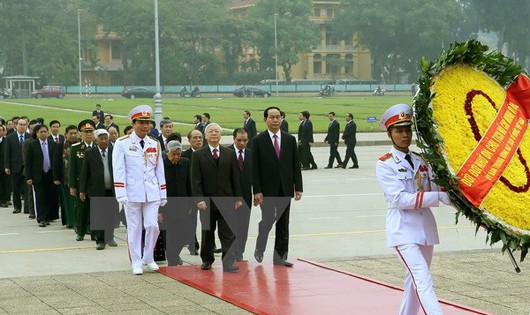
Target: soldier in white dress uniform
x: 140, y: 186
x: 410, y: 225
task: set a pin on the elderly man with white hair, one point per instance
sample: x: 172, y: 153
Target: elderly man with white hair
x: 97, y: 181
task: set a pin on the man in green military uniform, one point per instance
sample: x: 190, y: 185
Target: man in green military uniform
x: 60, y: 176
x: 75, y: 168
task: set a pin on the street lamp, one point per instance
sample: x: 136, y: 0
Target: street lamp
x: 276, y: 51
x: 79, y: 47
x: 158, y: 97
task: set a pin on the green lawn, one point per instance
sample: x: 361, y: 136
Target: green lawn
x: 226, y: 111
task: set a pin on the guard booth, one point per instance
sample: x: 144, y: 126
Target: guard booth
x: 20, y: 86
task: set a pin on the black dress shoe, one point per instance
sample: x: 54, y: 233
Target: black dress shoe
x: 230, y: 268
x: 355, y: 166
x: 4, y: 205
x: 79, y: 237
x: 16, y: 211
x: 112, y: 243
x: 42, y: 224
x: 218, y: 250
x: 258, y: 256
x: 339, y: 165
x: 314, y: 167
x: 305, y: 168
x: 31, y: 217
x: 206, y: 266
x: 283, y: 262
x: 328, y: 167
x: 47, y: 223
x: 100, y: 246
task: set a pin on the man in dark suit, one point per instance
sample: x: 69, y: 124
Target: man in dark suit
x: 97, y: 181
x: 13, y: 163
x: 98, y: 112
x: 243, y: 155
x: 305, y: 140
x: 166, y: 128
x: 197, y: 120
x: 195, y: 139
x: 284, y: 125
x: 205, y: 122
x: 214, y: 173
x: 55, y: 136
x: 38, y: 171
x: 109, y: 122
x: 276, y: 178
x: 175, y: 218
x: 350, y: 138
x: 333, y: 139
x: 250, y: 127
x: 5, y: 185
x: 98, y: 123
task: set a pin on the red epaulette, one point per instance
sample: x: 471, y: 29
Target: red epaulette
x: 385, y: 157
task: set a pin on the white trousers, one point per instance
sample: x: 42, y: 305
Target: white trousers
x: 136, y: 213
x: 419, y: 291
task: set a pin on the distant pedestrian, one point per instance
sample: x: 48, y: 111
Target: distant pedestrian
x: 284, y: 125
x: 305, y: 141
x: 250, y: 126
x: 350, y: 138
x: 332, y: 138
x: 98, y: 112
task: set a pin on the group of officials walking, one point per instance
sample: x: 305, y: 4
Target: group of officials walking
x: 221, y: 181
x: 305, y: 141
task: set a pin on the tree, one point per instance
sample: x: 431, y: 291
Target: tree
x: 295, y: 32
x: 28, y: 48
x: 509, y: 20
x: 133, y: 22
x: 398, y: 33
x: 195, y: 28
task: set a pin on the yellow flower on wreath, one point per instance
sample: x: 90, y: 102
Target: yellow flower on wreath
x: 451, y: 88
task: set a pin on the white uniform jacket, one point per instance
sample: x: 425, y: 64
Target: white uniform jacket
x: 138, y: 173
x: 409, y: 193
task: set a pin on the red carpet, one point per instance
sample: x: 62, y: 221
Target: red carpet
x: 307, y: 288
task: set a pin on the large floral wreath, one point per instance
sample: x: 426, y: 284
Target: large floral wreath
x: 474, y: 133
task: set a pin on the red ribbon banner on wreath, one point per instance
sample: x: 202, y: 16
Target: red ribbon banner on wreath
x: 496, y: 148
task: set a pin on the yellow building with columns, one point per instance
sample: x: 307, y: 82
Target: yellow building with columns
x: 332, y: 59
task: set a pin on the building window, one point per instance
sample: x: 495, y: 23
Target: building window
x: 329, y: 13
x: 317, y: 63
x: 333, y: 63
x: 317, y: 13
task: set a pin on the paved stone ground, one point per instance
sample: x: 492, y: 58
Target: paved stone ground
x: 45, y: 271
x: 481, y: 279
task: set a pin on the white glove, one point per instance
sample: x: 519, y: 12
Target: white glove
x: 163, y: 202
x: 444, y: 197
x: 123, y: 201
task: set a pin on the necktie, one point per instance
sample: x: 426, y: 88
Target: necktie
x: 46, y: 157
x: 56, y: 139
x: 240, y: 160
x: 215, y: 155
x: 21, y: 139
x: 103, y: 154
x: 276, y: 146
x: 142, y: 143
x: 409, y: 159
